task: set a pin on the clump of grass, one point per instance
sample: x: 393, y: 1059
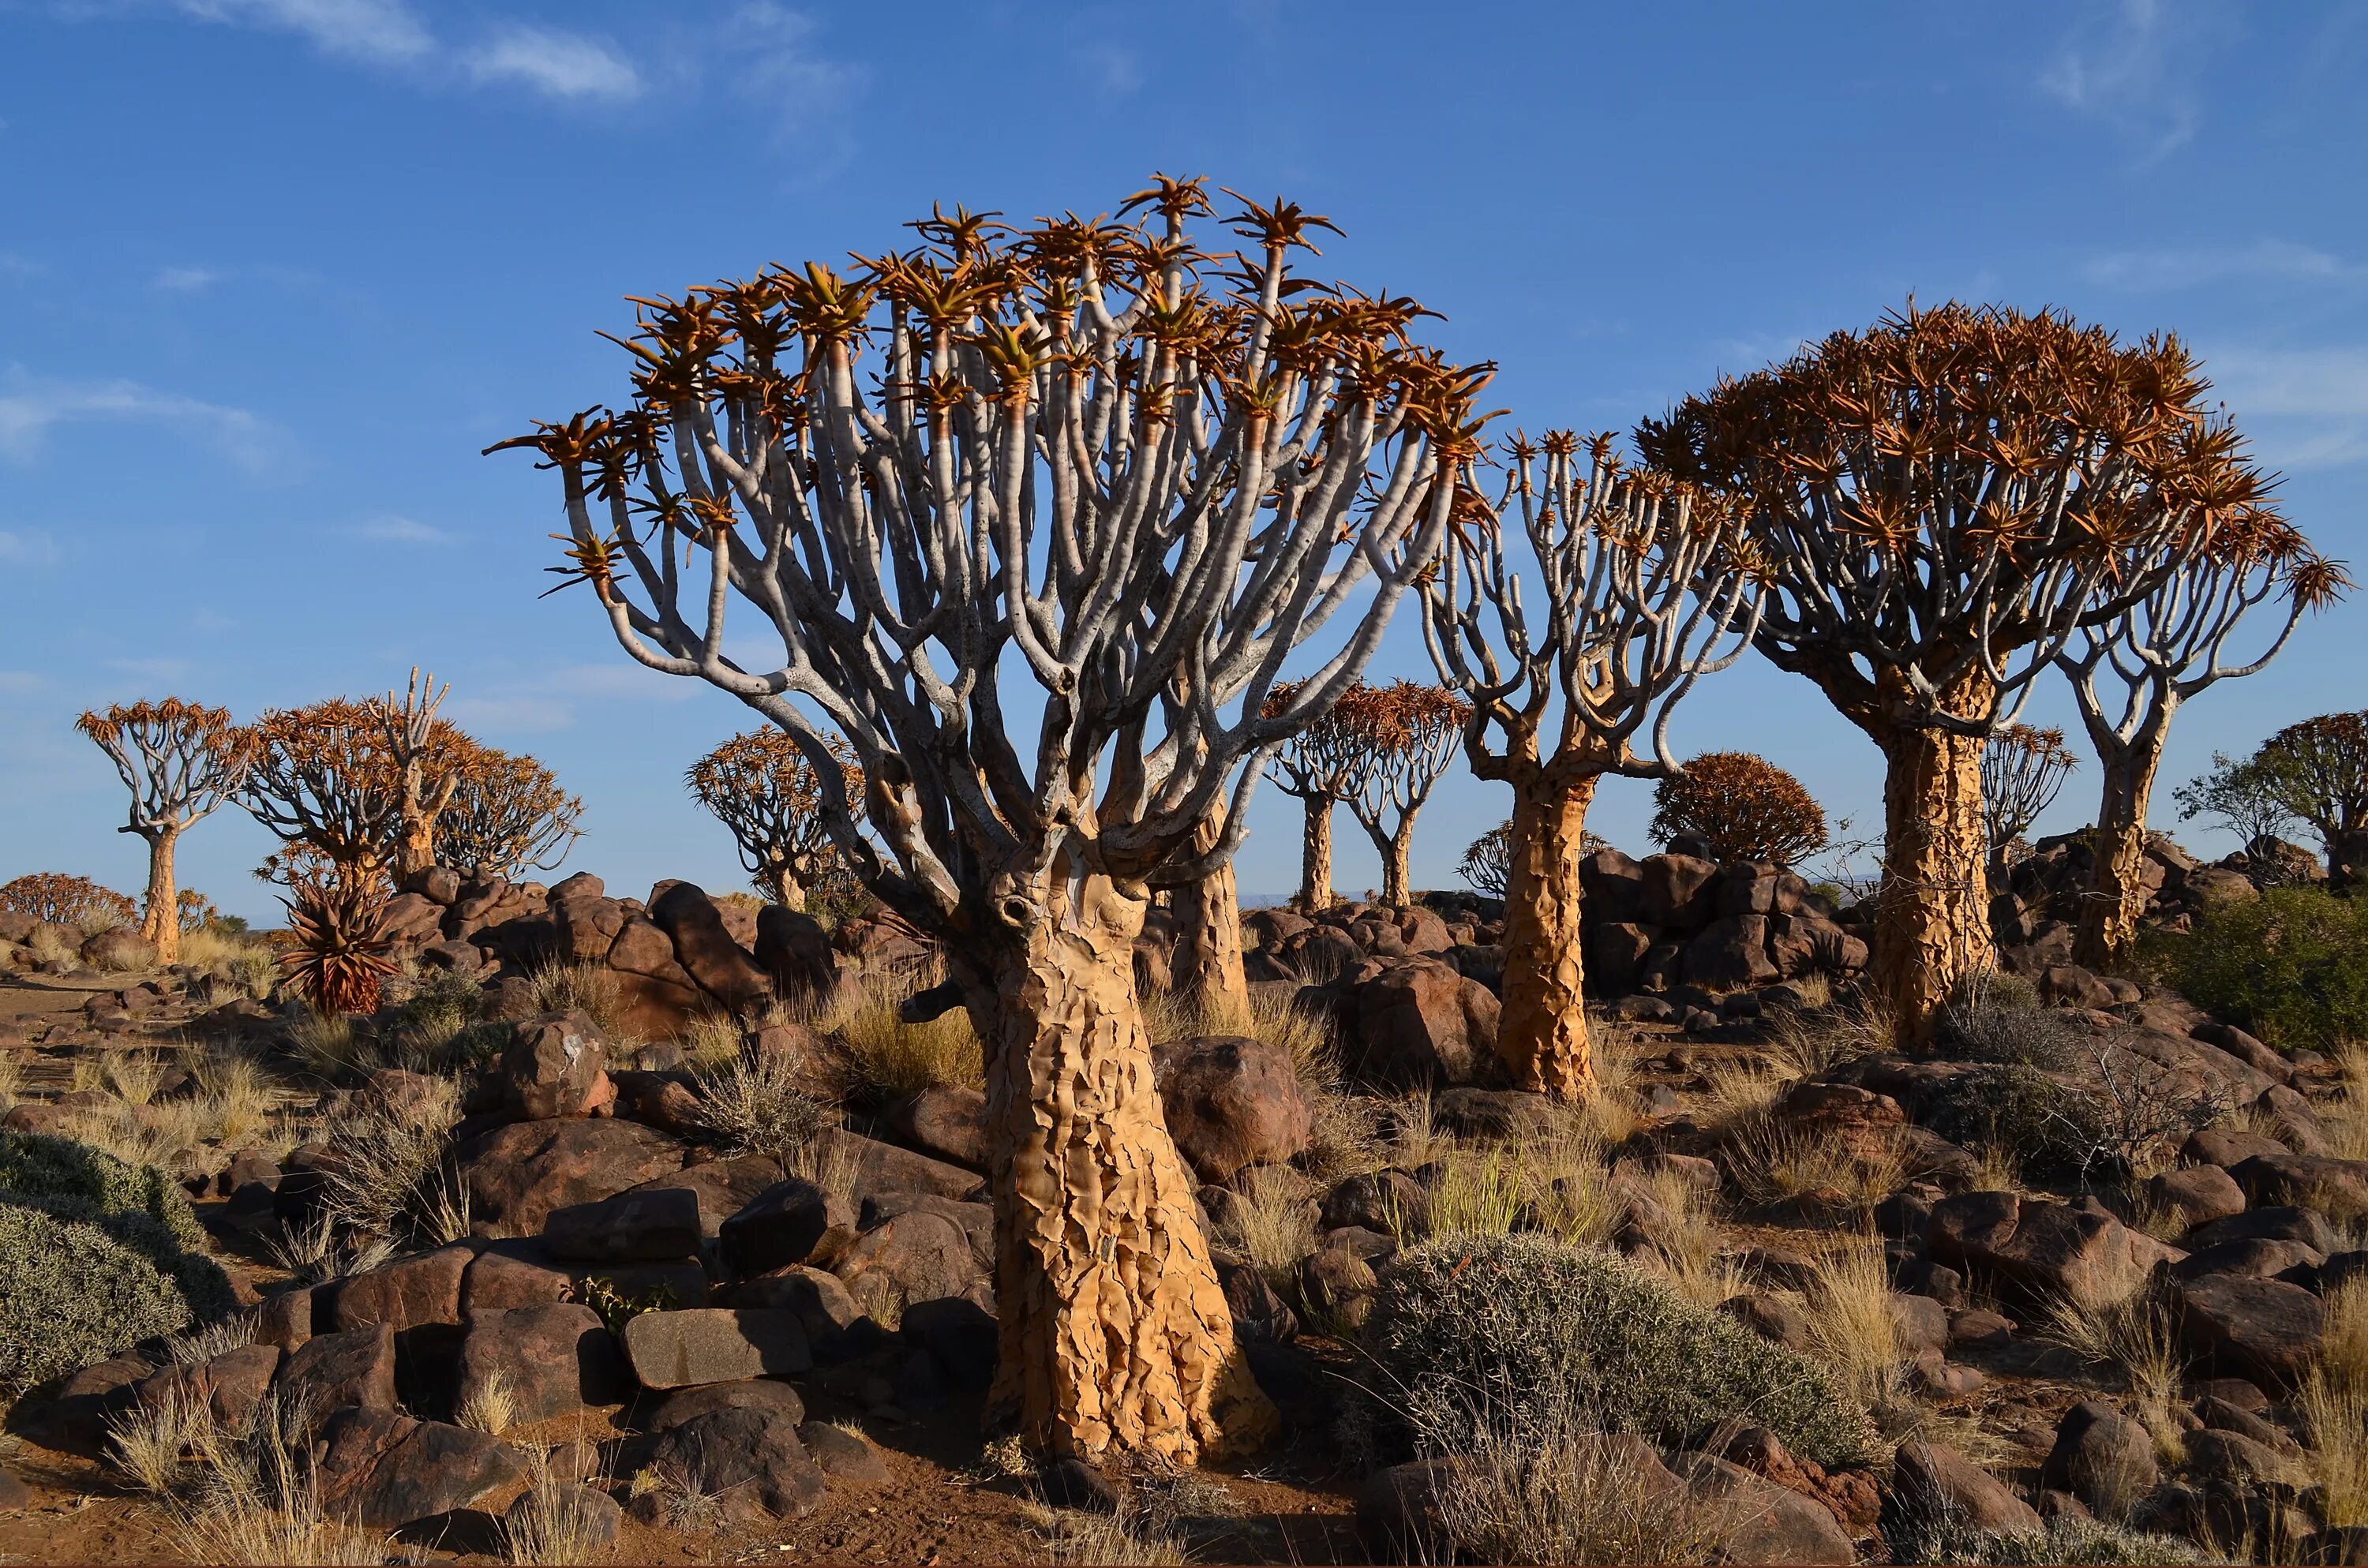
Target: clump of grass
x: 1685, y: 1244
x: 1415, y: 1139
x: 1565, y: 1191
x: 885, y: 1058
x: 1849, y: 1303
x: 1073, y: 1537
x: 318, y: 1251
x: 551, y: 1522
x: 712, y: 1041
x: 2346, y: 1119
x: 1574, y: 1497
x: 12, y: 1078
x: 329, y: 1044
x: 1739, y: 1093
x: 586, y: 988
x: 131, y: 1075
x: 1773, y: 1160
x: 490, y: 1405
x: 150, y: 1443
x: 2135, y: 1338
x: 830, y: 1164
x: 1345, y: 1140
x: 2333, y: 1401
x: 760, y: 1103
x: 1273, y: 1225
x: 219, y: 1337
x: 1803, y: 1042
x: 1475, y: 1192
x: 388, y: 1169
x: 260, y: 1503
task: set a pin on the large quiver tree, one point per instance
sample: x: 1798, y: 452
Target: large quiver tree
x: 1938, y: 503
x: 1069, y: 461
x: 325, y: 781
x: 2131, y: 675
x: 1644, y: 592
x: 1406, y: 734
x: 181, y: 761
x: 1743, y: 806
x: 761, y: 788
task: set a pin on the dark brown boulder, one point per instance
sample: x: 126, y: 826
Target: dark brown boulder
x: 555, y: 1065
x: 913, y: 1256
x: 1231, y: 1101
x: 716, y: 1345
x: 407, y: 1293
x: 703, y: 947
x: 750, y: 1460
x: 795, y: 952
x: 2262, y: 1329
x: 884, y: 1168
x: 943, y: 1122
x: 384, y: 1470
x: 1421, y: 1022
x: 656, y: 995
x: 230, y: 1386
x: 644, y: 1224
x: 330, y: 1370
x: 517, y: 1174
x: 785, y: 1224
x: 1730, y: 954
x: 555, y: 1360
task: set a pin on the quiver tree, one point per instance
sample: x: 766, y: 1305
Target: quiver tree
x: 2130, y: 675
x: 58, y: 898
x: 761, y: 788
x: 325, y: 781
x: 181, y: 761
x: 2023, y: 770
x: 1083, y: 454
x: 2244, y: 793
x: 1487, y: 863
x: 1315, y: 767
x: 1743, y: 806
x: 1643, y: 592
x: 429, y: 758
x: 2319, y: 771
x: 1938, y: 503
x: 506, y: 816
x: 1405, y: 736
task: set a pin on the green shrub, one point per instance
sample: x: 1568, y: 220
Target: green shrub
x: 2065, y: 1543
x: 1998, y: 1018
x: 2291, y: 966
x: 1508, y: 1335
x: 2055, y: 1134
x: 78, y: 1286
x: 37, y: 1166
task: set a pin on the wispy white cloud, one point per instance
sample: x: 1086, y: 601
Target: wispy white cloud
x: 378, y: 32
x: 2263, y: 260
x: 556, y: 65
x: 33, y: 406
x: 2304, y: 407
x: 1113, y: 71
x: 2138, y: 65
x: 777, y: 61
x: 27, y: 547
x: 400, y: 531
x: 187, y: 280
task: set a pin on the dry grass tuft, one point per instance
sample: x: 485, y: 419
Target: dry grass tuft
x: 1849, y: 1303
x: 1802, y: 1043
x: 490, y: 1406
x: 886, y: 1059
x: 1477, y: 1192
x: 151, y: 1444
x: 1345, y: 1140
x: 1771, y: 1160
x: 2346, y: 1119
x: 1072, y: 1537
x: 386, y: 1179
x: 762, y: 1103
x: 2333, y: 1401
x: 1577, y: 1499
x: 1273, y: 1224
x: 260, y: 1503
x: 2137, y: 1337
x: 586, y: 988
x: 1686, y: 1245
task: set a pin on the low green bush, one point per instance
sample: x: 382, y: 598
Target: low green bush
x: 1998, y: 1018
x: 1508, y: 1335
x: 37, y: 1166
x: 2065, y: 1543
x: 2054, y: 1132
x: 78, y: 1285
x: 2290, y: 966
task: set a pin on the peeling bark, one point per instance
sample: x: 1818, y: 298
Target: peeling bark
x: 416, y: 851
x: 1541, y: 1035
x: 1207, y: 972
x: 1316, y: 854
x: 787, y: 892
x: 1931, y: 926
x: 1115, y: 1334
x: 2106, y: 935
x: 161, y: 923
x: 1397, y: 877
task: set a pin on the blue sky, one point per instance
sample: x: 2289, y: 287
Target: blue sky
x: 272, y: 271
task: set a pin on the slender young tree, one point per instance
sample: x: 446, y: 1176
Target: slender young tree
x: 1408, y: 736
x: 181, y: 761
x: 1069, y: 461
x: 761, y: 788
x: 325, y: 781
x: 2023, y: 770
x: 2131, y: 675
x: 2319, y: 771
x: 1743, y: 805
x: 1315, y: 767
x: 1641, y: 584
x: 429, y: 757
x: 2242, y: 792
x: 1939, y: 502
x: 1488, y: 860
x: 507, y: 816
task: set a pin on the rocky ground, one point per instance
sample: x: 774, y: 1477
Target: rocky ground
x: 641, y: 1228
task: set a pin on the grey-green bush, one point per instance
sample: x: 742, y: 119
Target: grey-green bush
x: 73, y: 1292
x: 1999, y: 1017
x: 1503, y: 1334
x: 37, y: 1166
x: 2054, y: 1132
x: 2065, y: 1543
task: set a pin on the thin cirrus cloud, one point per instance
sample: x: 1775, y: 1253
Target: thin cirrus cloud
x: 556, y: 65
x: 27, y: 547
x: 400, y: 531
x: 2264, y: 260
x: 390, y: 34
x: 33, y: 407
x: 2305, y: 408
x: 2138, y: 65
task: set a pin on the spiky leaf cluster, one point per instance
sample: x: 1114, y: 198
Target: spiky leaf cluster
x: 64, y: 900
x: 338, y: 947
x: 1744, y: 806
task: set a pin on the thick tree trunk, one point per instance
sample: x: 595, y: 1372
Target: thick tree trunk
x: 1115, y: 1334
x: 1397, y: 877
x: 415, y: 847
x: 1206, y: 970
x: 1541, y: 1034
x: 787, y: 892
x: 161, y: 923
x: 2106, y: 936
x: 1933, y: 926
x: 1315, y: 855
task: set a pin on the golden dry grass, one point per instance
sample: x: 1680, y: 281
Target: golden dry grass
x: 2333, y: 1401
x: 1273, y: 1222
x: 1771, y: 1160
x: 885, y: 1058
x: 2137, y: 1339
x: 1847, y: 1300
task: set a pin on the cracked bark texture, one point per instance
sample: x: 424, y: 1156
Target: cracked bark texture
x: 2106, y: 935
x: 161, y: 921
x: 1931, y: 926
x: 1207, y: 971
x: 1115, y: 1334
x: 1316, y: 854
x: 1542, y: 1038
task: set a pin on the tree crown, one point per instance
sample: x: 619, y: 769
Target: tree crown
x: 1745, y: 806
x: 180, y: 760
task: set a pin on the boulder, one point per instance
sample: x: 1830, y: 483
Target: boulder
x: 555, y: 1065
x: 384, y: 1470
x: 1773, y: 1318
x: 914, y: 1256
x: 581, y: 1516
x: 554, y: 1359
x: 1492, y: 1113
x: 721, y: 1188
x: 2101, y: 1457
x: 332, y: 1370
x: 1932, y: 1481
x: 513, y: 1274
x: 1421, y: 1022
x: 2336, y: 1188
x: 2196, y: 1194
x: 884, y: 1167
x: 837, y: 1328
x: 407, y: 1293
x: 716, y: 1345
x: 1231, y: 1101
x: 122, y: 948
x: 703, y: 947
x: 2252, y: 1257
x: 1615, y: 952
x: 943, y: 1122
x: 516, y: 1175
x: 787, y: 1223
x: 642, y: 1224
x: 583, y: 924
x: 795, y: 952
x: 1730, y: 954
x: 960, y: 1335
x: 2046, y: 1249
x: 1754, y: 1520
x: 656, y: 995
x: 230, y: 1386
x: 1679, y: 891
x: 1383, y: 1201
x: 766, y: 1396
x: 2263, y: 1329
x: 749, y: 1460
x: 842, y: 1454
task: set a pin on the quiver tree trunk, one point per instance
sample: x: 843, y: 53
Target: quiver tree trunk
x: 1207, y: 971
x: 1932, y: 927
x: 1316, y: 854
x: 2106, y: 934
x: 1397, y: 877
x: 787, y: 891
x: 1541, y: 1034
x: 1114, y: 1332
x: 415, y: 850
x: 161, y: 921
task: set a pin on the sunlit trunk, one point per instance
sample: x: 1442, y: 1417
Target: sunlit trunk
x: 1541, y: 1034
x: 1931, y: 926
x: 1115, y: 1334
x: 1316, y: 854
x: 787, y: 892
x: 2107, y: 934
x: 161, y: 921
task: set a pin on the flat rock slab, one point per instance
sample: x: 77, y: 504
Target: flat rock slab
x: 555, y: 1360
x: 716, y: 1345
x: 385, y: 1470
x: 330, y: 1370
